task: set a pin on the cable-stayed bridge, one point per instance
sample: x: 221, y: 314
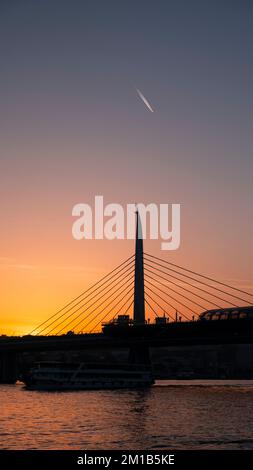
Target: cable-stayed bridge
x: 145, y: 287
x: 170, y: 290
x: 155, y: 302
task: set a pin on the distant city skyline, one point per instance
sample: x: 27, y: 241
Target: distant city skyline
x: 73, y: 126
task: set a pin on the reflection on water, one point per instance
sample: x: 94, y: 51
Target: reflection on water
x: 172, y: 415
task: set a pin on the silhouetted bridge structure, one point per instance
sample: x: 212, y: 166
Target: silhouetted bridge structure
x: 174, y: 295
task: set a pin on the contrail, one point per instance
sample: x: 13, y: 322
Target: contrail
x: 145, y: 101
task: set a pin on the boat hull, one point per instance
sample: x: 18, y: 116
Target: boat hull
x: 76, y: 387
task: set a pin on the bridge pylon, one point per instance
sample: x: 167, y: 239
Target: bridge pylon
x: 139, y: 294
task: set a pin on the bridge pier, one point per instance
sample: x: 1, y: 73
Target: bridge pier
x: 8, y: 367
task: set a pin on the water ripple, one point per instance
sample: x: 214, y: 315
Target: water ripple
x: 176, y: 416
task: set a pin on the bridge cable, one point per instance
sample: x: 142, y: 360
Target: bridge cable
x: 131, y: 288
x: 94, y: 310
x: 162, y: 308
x: 128, y: 308
x: 125, y: 274
x: 173, y: 290
x: 173, y: 298
x: 150, y: 306
x: 84, y: 301
x: 113, y: 307
x: 202, y: 282
x: 93, y: 303
x: 84, y: 292
x: 130, y: 305
x: 188, y: 283
x: 205, y: 277
x: 158, y: 295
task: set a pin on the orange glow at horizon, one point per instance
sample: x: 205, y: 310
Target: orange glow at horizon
x: 32, y: 293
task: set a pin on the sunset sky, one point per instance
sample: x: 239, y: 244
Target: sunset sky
x: 72, y: 126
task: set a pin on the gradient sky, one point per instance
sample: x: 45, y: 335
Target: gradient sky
x: 72, y: 126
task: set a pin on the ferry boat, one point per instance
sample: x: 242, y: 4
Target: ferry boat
x: 80, y: 376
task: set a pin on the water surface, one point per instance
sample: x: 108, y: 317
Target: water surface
x: 171, y: 415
